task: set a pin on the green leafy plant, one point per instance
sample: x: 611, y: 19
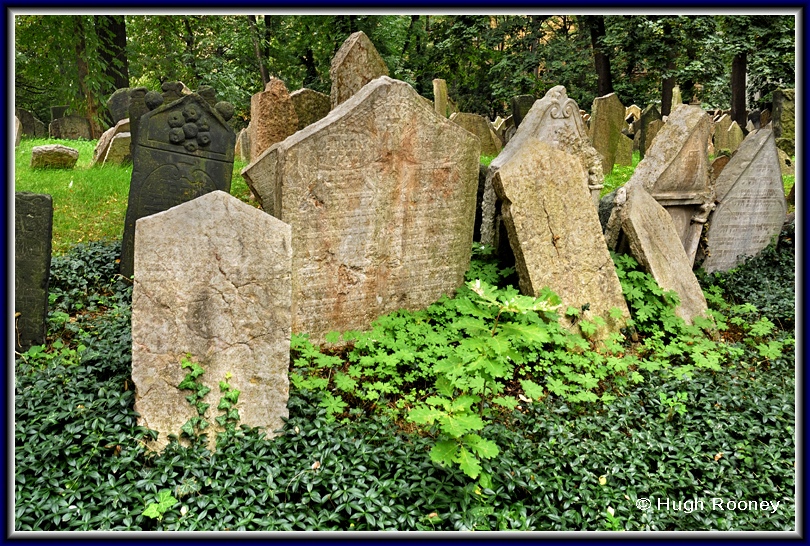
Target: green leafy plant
x: 165, y: 501
x: 194, y: 426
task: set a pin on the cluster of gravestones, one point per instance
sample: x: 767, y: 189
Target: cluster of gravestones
x: 372, y: 198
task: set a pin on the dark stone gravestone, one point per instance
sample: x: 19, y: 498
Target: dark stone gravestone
x: 181, y: 150
x: 118, y: 105
x: 32, y: 127
x: 649, y: 114
x: 33, y: 224
x: 58, y: 112
x: 521, y: 105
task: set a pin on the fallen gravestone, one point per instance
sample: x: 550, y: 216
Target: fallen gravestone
x: 380, y: 195
x: 272, y: 117
x: 554, y: 232
x: 521, y: 104
x: 356, y: 63
x: 751, y: 203
x: 310, y: 106
x: 70, y: 128
x: 648, y: 115
x: 53, y: 156
x: 212, y: 280
x: 607, y: 122
x: 100, y: 151
x: 480, y: 127
x: 33, y: 227
x: 184, y: 149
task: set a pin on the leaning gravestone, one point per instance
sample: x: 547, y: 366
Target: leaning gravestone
x: 184, y: 149
x: 554, y: 231
x: 480, y: 127
x: 648, y: 234
x: 380, y: 195
x: 751, y: 203
x: 273, y: 116
x: 721, y: 127
x: 33, y: 227
x: 607, y: 122
x: 356, y: 63
x: 17, y: 131
x: 53, y: 156
x: 310, y: 106
x: 555, y: 120
x: 70, y: 128
x: 100, y: 151
x: 118, y: 153
x: 648, y: 115
x: 440, y: 97
x: 521, y: 104
x: 212, y: 280
x: 118, y: 104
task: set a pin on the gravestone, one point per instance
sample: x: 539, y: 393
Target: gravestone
x: 212, y: 279
x: 273, y: 117
x: 764, y: 117
x: 632, y: 110
x: 555, y: 120
x: 786, y: 164
x: 648, y: 234
x: 784, y: 119
x: 241, y: 150
x: 310, y: 106
x: 675, y: 172
x: 607, y: 122
x: 554, y: 231
x: 33, y: 228
x: 751, y: 203
x: 480, y: 127
x: 624, y: 151
x: 100, y: 151
x: 648, y: 115
x: 753, y: 120
x: 70, y: 128
x: 118, y: 104
x: 440, y: 97
x: 137, y: 108
x: 380, y: 195
x: 721, y: 127
x: 53, y: 156
x: 32, y: 127
x: 521, y: 104
x: 184, y: 150
x: 17, y: 131
x: 118, y: 153
x: 718, y: 164
x: 58, y: 112
x: 356, y: 63
x: 175, y: 90
x: 652, y: 129
x: 676, y: 98
x: 735, y: 136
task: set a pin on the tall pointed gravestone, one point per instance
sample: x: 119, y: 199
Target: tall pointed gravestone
x: 33, y: 228
x: 184, y: 149
x: 356, y: 63
x: 751, y: 203
x: 212, y: 280
x: 380, y: 195
x: 272, y: 115
x: 648, y: 115
x: 607, y: 122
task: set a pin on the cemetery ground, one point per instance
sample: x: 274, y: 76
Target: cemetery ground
x: 666, y: 427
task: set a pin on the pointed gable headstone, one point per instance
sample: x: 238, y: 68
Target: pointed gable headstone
x: 212, y: 280
x: 356, y: 63
x: 735, y: 136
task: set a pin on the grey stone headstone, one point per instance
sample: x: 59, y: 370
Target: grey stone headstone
x: 118, y: 104
x: 480, y: 127
x: 607, y: 122
x: 100, y: 151
x: 70, y: 128
x: 310, y: 106
x: 31, y: 126
x: 648, y: 115
x: 184, y: 150
x: 380, y: 195
x: 356, y: 63
x: 212, y: 279
x: 33, y: 230
x: 521, y: 104
x: 58, y: 112
x: 118, y: 152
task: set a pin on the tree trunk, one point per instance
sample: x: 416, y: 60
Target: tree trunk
x: 738, y: 70
x: 112, y: 33
x: 83, y: 72
x: 257, y: 50
x: 667, y: 84
x: 604, y: 82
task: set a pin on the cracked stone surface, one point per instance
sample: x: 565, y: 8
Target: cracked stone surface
x: 554, y: 231
x: 212, y: 278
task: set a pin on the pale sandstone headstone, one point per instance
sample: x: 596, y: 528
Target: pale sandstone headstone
x: 721, y: 127
x: 676, y: 98
x: 440, y: 97
x: 554, y: 231
x: 380, y: 195
x: 53, y: 156
x: 100, y: 151
x: 480, y: 127
x: 718, y: 164
x: 241, y: 149
x: 212, y: 279
x: 554, y: 119
x: 786, y: 164
x: 650, y: 237
x: 356, y: 63
x: 273, y: 116
x: 118, y: 153
x: 735, y: 136
x: 607, y: 122
x: 310, y: 106
x: 751, y: 203
x: 633, y: 110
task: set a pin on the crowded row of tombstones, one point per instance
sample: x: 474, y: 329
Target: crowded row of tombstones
x: 371, y: 200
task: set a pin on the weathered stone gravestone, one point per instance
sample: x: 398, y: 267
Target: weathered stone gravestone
x: 33, y: 228
x: 212, y: 279
x: 764, y: 118
x: 380, y: 195
x: 521, y: 104
x: 675, y: 172
x: 70, y: 128
x: 184, y: 149
x: 53, y: 156
x: 272, y: 115
x: 652, y: 130
x: 607, y: 122
x: 59, y: 111
x: 718, y: 164
x: 554, y: 231
x: 118, y: 153
x: 310, y: 106
x: 100, y: 151
x: 751, y: 203
x: 118, y: 104
x: 555, y: 120
x: 647, y: 233
x: 17, y: 131
x: 356, y: 63
x: 721, y: 127
x: 480, y: 127
x: 632, y: 110
x: 440, y: 97
x: 241, y: 150
x: 32, y: 127
x: 648, y: 115
x: 676, y: 98
x: 735, y: 136
x: 786, y: 164
x: 624, y: 151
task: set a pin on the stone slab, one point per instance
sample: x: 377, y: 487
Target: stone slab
x: 356, y: 63
x: 310, y: 106
x: 119, y: 151
x: 53, y: 156
x: 480, y: 127
x: 272, y: 116
x: 607, y: 122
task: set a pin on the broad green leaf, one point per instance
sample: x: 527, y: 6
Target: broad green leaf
x: 532, y: 389
x: 481, y: 446
x: 458, y: 425
x: 468, y: 462
x: 425, y: 415
x: 528, y: 333
x: 444, y: 452
x: 505, y: 401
